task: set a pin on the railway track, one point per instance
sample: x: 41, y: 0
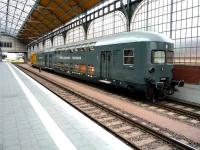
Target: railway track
x: 182, y: 111
x: 172, y: 105
x: 181, y: 108
x: 129, y: 129
x: 190, y: 110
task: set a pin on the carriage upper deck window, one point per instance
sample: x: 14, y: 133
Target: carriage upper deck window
x: 129, y: 57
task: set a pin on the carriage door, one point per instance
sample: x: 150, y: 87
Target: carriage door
x: 50, y: 61
x: 105, y: 64
x: 45, y: 60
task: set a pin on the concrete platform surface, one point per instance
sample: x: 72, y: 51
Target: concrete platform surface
x: 33, y: 118
x: 188, y: 93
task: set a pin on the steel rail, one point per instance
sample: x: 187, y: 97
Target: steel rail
x: 179, y: 110
x: 184, y: 102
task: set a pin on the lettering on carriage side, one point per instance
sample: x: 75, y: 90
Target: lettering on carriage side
x: 64, y: 57
x: 76, y: 57
x: 68, y: 57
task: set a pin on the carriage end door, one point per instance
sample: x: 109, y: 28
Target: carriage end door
x: 45, y: 60
x: 50, y: 61
x: 105, y: 64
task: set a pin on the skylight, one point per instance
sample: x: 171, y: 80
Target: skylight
x: 13, y: 13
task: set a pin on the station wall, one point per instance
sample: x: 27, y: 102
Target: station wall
x: 190, y: 74
x: 16, y: 46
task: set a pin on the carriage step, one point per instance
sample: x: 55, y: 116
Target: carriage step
x: 105, y: 81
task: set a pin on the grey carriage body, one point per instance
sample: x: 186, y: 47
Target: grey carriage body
x: 129, y: 60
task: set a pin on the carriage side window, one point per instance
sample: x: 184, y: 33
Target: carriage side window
x: 158, y: 57
x: 129, y: 57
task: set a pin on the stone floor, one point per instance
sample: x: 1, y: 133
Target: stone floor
x: 189, y: 93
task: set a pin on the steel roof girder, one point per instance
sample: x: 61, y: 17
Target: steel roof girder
x: 40, y: 14
x: 29, y: 14
x: 83, y: 1
x: 22, y: 10
x: 8, y: 2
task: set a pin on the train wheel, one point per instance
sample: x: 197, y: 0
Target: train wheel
x: 162, y: 94
x: 170, y: 90
x: 131, y: 89
x: 150, y: 94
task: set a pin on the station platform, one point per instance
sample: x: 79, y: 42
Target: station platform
x: 33, y: 118
x: 189, y: 93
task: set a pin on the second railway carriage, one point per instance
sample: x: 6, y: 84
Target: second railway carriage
x: 135, y: 60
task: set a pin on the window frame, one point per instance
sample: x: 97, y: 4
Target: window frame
x: 129, y: 56
x: 171, y: 58
x: 165, y: 51
x: 158, y: 51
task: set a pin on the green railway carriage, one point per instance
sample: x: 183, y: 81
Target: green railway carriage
x: 134, y: 60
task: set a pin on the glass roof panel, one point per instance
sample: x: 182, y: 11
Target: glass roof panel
x: 13, y: 13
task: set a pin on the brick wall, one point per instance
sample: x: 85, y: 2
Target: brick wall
x: 190, y: 74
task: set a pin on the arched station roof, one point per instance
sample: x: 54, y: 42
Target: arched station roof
x: 30, y: 19
x: 12, y: 15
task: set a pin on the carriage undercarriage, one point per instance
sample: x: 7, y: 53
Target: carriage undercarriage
x: 159, y: 90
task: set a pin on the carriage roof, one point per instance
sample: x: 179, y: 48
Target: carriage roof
x: 129, y: 37
x: 125, y: 37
